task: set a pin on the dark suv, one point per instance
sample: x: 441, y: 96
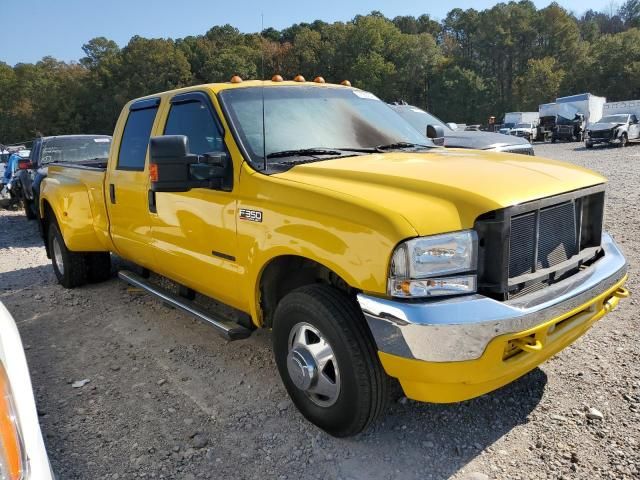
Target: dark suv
x: 69, y: 149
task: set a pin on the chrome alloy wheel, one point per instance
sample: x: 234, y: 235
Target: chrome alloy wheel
x: 312, y: 365
x: 57, y: 255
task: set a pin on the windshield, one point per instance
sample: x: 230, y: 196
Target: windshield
x: 419, y: 119
x: 312, y: 118
x: 75, y: 149
x: 614, y: 119
x: 523, y: 125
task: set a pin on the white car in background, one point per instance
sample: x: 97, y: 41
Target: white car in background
x: 22, y: 452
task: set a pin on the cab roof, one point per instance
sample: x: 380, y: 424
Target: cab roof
x: 219, y: 87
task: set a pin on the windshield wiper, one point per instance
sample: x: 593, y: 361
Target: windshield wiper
x: 304, y: 152
x: 399, y: 145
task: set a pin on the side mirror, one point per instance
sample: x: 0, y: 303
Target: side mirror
x: 452, y: 125
x: 436, y: 134
x: 173, y: 169
x: 25, y: 164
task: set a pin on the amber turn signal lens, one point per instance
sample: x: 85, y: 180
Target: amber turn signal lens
x: 299, y: 78
x: 346, y: 83
x: 319, y: 80
x: 277, y: 78
x: 11, y: 464
x: 236, y: 79
x: 153, y: 172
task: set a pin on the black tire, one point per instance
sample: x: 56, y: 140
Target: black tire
x: 553, y: 139
x: 588, y: 145
x: 98, y: 266
x: 363, y: 386
x: 29, y: 209
x: 74, y: 267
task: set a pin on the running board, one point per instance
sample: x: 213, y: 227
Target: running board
x: 228, y: 329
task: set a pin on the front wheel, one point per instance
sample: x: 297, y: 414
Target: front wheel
x: 70, y: 267
x: 623, y: 140
x: 327, y: 360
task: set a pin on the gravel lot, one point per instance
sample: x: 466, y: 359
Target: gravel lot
x: 168, y: 398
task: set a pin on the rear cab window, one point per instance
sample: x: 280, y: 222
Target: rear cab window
x: 136, y: 134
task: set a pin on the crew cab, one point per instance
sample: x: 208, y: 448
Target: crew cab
x: 314, y: 210
x: 619, y: 129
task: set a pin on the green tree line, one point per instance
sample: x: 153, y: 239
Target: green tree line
x: 470, y: 65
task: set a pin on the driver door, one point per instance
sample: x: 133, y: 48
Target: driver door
x: 194, y: 232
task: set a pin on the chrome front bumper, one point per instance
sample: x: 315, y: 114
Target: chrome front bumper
x: 460, y: 328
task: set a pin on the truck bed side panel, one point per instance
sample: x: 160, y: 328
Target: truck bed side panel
x: 76, y: 196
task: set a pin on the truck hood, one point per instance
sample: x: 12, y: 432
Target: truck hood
x: 478, y: 140
x: 442, y: 189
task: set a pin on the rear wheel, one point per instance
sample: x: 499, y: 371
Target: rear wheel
x: 588, y: 144
x: 327, y: 360
x: 70, y: 267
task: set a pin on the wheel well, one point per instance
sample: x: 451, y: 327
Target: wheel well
x: 47, y: 217
x: 286, y: 273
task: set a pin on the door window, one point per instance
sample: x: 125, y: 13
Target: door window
x: 135, y: 139
x: 195, y: 120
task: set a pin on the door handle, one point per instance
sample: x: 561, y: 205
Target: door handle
x: 112, y: 192
x: 151, y: 195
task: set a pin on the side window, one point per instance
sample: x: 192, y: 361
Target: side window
x: 194, y: 119
x: 634, y: 119
x: 135, y: 139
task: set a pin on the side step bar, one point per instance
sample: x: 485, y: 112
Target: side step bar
x: 228, y: 329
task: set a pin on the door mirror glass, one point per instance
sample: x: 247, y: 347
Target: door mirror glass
x: 436, y: 134
x: 174, y: 169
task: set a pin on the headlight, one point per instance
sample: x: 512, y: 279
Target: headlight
x: 426, y: 266
x: 12, y: 462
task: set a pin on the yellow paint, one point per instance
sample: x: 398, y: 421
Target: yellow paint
x: 447, y: 382
x: 346, y: 214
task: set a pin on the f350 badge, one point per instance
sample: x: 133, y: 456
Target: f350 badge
x: 251, y: 215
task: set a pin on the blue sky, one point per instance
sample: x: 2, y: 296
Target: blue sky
x: 32, y: 29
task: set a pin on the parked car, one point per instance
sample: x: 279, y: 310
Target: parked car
x: 511, y: 119
x: 526, y: 130
x: 87, y: 150
x: 419, y: 119
x: 368, y: 251
x: 11, y: 192
x: 22, y: 452
x: 619, y: 129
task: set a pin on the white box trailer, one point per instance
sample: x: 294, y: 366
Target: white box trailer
x: 625, y: 106
x: 547, y: 110
x: 590, y: 106
x: 520, y: 117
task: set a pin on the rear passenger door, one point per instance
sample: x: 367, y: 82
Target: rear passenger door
x: 127, y: 185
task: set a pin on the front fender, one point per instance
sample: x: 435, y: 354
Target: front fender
x: 69, y: 202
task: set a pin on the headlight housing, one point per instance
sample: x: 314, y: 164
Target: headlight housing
x: 434, y: 266
x: 12, y: 461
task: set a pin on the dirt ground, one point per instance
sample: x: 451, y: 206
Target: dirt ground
x: 167, y: 398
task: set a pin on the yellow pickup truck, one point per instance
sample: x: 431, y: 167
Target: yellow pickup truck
x: 314, y: 210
